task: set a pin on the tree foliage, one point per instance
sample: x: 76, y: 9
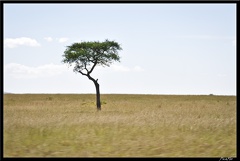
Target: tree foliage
x: 87, y: 55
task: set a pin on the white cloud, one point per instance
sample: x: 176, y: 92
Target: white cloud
x: 20, y: 71
x: 25, y: 41
x: 62, y: 39
x: 49, y: 39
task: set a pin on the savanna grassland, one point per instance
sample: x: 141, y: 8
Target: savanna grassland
x: 69, y: 125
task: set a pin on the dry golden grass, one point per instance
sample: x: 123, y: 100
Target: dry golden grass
x: 58, y: 125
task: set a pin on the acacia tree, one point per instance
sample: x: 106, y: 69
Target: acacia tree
x: 85, y: 56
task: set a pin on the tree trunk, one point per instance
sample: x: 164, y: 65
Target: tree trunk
x: 97, y: 96
x: 97, y: 91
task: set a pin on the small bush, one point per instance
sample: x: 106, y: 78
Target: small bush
x: 103, y: 102
x: 49, y: 98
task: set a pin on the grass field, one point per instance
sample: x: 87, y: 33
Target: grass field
x: 58, y: 125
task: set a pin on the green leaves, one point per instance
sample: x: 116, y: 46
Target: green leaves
x: 87, y: 55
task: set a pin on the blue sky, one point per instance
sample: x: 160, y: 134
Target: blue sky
x: 167, y: 48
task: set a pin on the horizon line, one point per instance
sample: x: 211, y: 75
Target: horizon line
x: 211, y: 94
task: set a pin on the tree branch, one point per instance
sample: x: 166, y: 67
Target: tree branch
x: 82, y: 73
x: 93, y: 67
x: 85, y: 67
x: 88, y: 75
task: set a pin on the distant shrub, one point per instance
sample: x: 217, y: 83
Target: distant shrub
x: 49, y: 98
x: 103, y: 102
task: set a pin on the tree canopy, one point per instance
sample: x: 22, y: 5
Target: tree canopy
x: 86, y: 55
